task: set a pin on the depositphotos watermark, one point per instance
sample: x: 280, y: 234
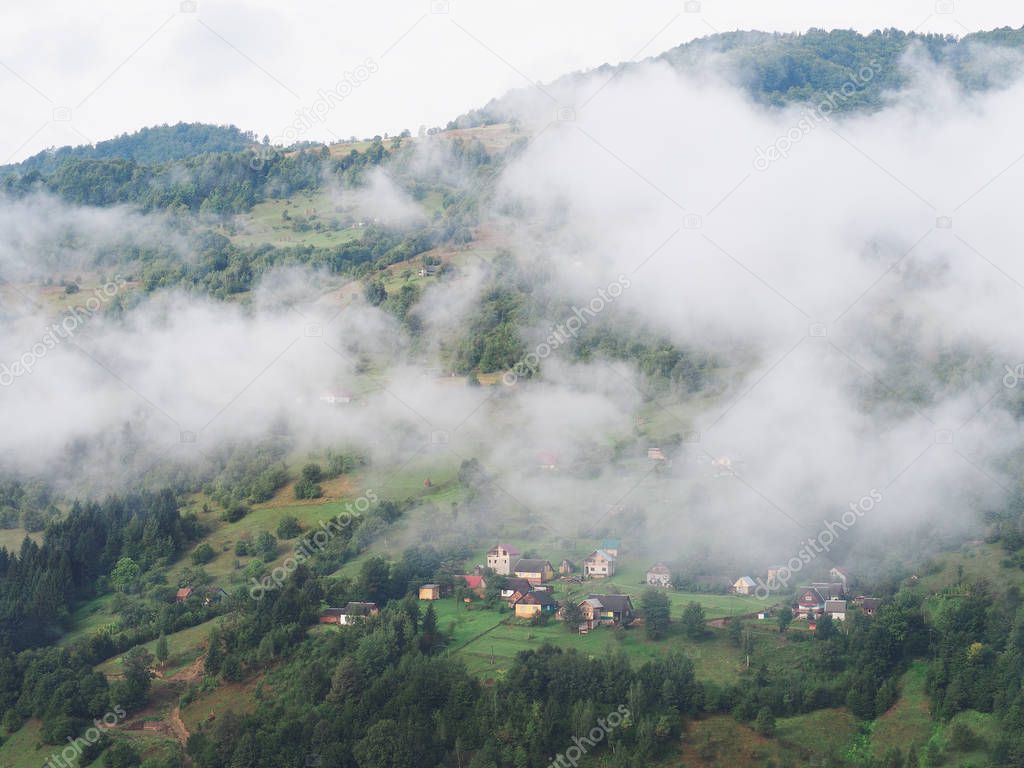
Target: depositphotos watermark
x: 812, y: 118
x: 583, y: 744
x: 60, y: 332
x: 1013, y: 376
x: 70, y: 754
x: 312, y: 544
x: 829, y: 535
x: 560, y: 334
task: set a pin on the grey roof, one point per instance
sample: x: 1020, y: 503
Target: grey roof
x: 356, y: 608
x: 536, y: 598
x: 830, y: 590
x: 614, y: 603
x: 820, y: 598
x: 521, y: 585
x: 835, y: 606
x: 531, y: 566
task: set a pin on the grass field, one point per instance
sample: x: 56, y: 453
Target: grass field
x: 184, y: 646
x: 240, y: 698
x: 24, y: 748
x: 721, y: 741
x: 818, y: 733
x: 979, y: 560
x: 908, y: 721
x: 266, y: 222
x: 89, y: 617
x: 464, y: 624
x: 488, y: 641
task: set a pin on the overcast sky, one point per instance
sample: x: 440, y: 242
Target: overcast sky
x: 73, y: 73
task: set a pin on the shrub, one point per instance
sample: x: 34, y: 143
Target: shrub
x: 203, y: 554
x: 288, y: 527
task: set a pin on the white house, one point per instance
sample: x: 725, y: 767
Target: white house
x: 599, y: 565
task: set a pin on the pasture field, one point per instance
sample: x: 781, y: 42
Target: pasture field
x: 185, y: 647
x: 721, y: 741
x: 908, y: 721
x: 319, y: 219
x: 818, y: 734
x: 499, y: 638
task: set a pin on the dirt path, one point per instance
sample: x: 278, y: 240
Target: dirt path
x: 172, y: 724
x: 180, y: 733
x: 190, y: 674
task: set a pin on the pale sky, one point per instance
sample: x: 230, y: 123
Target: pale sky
x: 80, y: 72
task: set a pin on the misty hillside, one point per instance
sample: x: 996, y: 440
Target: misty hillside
x: 147, y: 146
x: 655, y: 416
x: 778, y: 69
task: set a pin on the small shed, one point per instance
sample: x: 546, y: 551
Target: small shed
x: 430, y: 592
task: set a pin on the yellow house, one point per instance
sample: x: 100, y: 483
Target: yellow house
x: 744, y: 586
x: 430, y: 592
x: 534, y: 603
x: 534, y: 571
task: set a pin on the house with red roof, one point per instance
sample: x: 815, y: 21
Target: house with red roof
x: 476, y: 583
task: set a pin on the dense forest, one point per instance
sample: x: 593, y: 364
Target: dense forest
x: 158, y: 144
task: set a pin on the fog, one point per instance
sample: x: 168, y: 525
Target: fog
x: 860, y: 292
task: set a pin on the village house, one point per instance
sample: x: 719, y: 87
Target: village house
x: 656, y: 454
x: 501, y: 558
x: 809, y: 603
x: 513, y: 590
x: 659, y: 576
x: 836, y: 609
x: 353, y: 612
x: 830, y: 590
x: 534, y: 571
x: 356, y: 611
x: 775, y: 573
x: 182, y: 594
x: 430, y: 592
x: 600, y: 564
x: 476, y: 584
x: 535, y: 603
x: 565, y: 568
x: 606, y: 609
x: 870, y: 605
x: 331, y: 616
x: 744, y: 585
